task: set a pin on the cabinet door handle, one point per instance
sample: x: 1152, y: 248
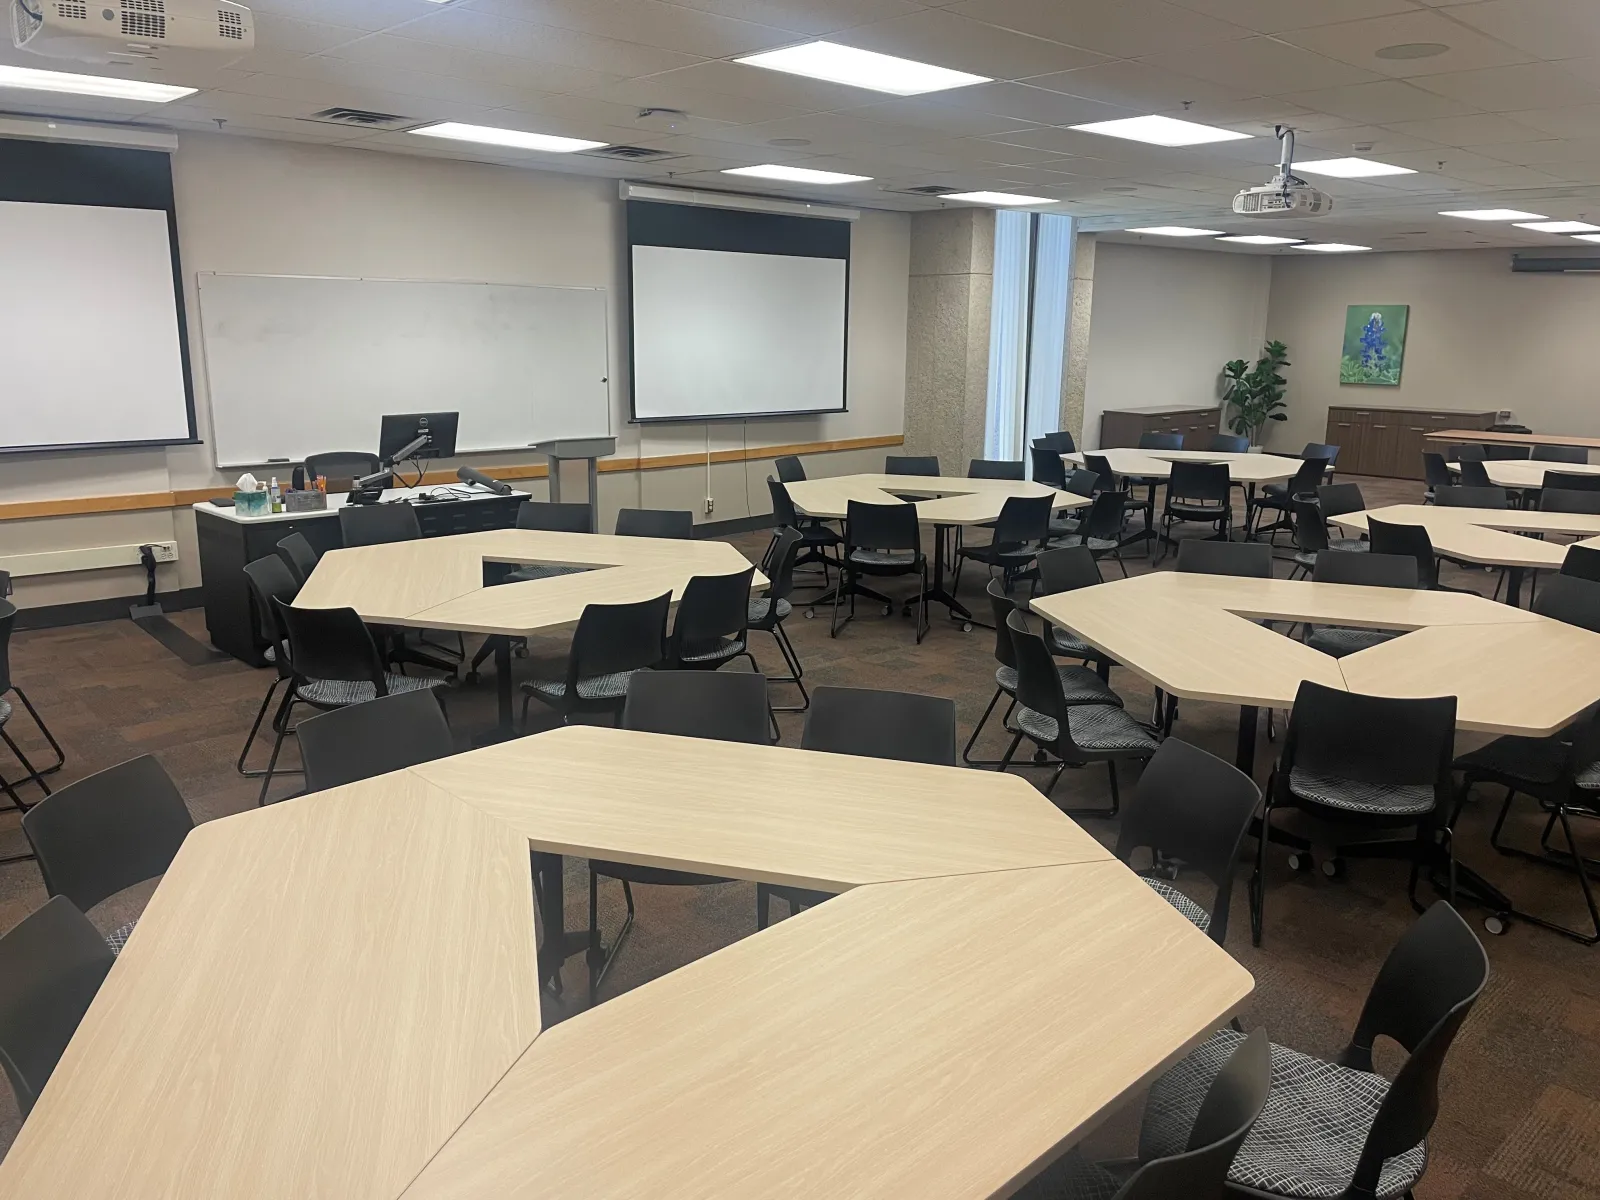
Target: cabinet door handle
x: 1375, y: 425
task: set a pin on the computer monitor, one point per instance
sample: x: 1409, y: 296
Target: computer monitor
x: 399, y: 430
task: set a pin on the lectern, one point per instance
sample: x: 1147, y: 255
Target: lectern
x: 587, y: 450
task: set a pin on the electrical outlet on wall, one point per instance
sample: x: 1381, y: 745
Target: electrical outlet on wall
x: 165, y: 552
x: 711, y: 506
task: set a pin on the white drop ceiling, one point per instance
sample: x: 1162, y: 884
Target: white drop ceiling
x: 1507, y: 117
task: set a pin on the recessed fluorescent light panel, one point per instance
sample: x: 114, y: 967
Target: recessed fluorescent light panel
x: 518, y: 139
x: 796, y: 174
x: 862, y: 68
x: 1559, y: 226
x: 1161, y: 131
x: 1260, y: 239
x: 1001, y: 198
x: 1331, y: 247
x: 1586, y: 237
x: 1350, y: 168
x: 1493, y: 214
x: 1176, y: 231
x: 91, y: 85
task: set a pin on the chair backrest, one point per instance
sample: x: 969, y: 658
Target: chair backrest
x: 996, y: 468
x: 1048, y: 468
x: 1232, y: 1103
x: 1320, y: 450
x: 1060, y: 441
x: 52, y: 963
x: 1370, y: 739
x: 911, y: 464
x: 1566, y: 454
x: 1198, y: 483
x: 1389, y: 537
x: 1582, y: 562
x: 1067, y: 568
x: 1336, y: 499
x: 1422, y: 995
x: 1471, y: 497
x: 8, y: 622
x: 298, y: 554
x: 331, y: 643
x: 1001, y: 606
x: 1079, y: 483
x: 1161, y: 441
x: 363, y: 740
x: 1474, y: 473
x: 881, y: 526
x: 1309, y: 529
x: 655, y: 523
x: 1105, y: 517
x: 1564, y: 501
x: 712, y: 607
x: 555, y: 518
x: 1365, y: 570
x: 1435, y: 471
x: 1023, y: 521
x: 1570, y: 597
x: 778, y: 566
x: 341, y: 464
x: 1101, y: 466
x: 1251, y: 560
x: 1494, y: 450
x: 1038, y: 681
x: 618, y: 637
x: 1572, y: 481
x: 107, y: 831
x: 727, y: 706
x: 271, y: 580
x: 1228, y: 443
x: 1192, y: 806
x: 790, y: 469
x: 1308, y: 478
x: 374, y: 524
x: 876, y: 724
x: 783, y: 513
x: 1461, y: 454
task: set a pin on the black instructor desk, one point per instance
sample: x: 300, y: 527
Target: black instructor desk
x: 228, y: 541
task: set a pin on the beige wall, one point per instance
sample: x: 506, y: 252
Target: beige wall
x: 1478, y: 337
x: 284, y: 208
x: 1163, y: 322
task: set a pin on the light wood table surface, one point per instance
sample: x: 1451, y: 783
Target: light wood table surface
x: 1521, y: 473
x: 1157, y: 464
x: 1483, y: 437
x: 934, y: 1038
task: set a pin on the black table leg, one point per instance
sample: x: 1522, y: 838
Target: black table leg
x: 1514, y: 586
x: 502, y: 683
x: 1148, y: 533
x: 559, y: 943
x: 1245, y: 756
x: 936, y: 593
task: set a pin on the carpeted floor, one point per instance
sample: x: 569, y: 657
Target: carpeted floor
x: 1521, y: 1093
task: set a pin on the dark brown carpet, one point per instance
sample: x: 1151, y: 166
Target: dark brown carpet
x: 1521, y: 1093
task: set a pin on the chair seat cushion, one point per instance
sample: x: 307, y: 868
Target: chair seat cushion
x: 340, y: 693
x: 542, y: 571
x: 1338, y: 640
x: 1349, y: 544
x: 1099, y: 728
x: 719, y: 650
x: 862, y: 557
x: 1079, y: 684
x: 1196, y: 511
x: 1071, y: 1177
x: 1529, y: 759
x: 596, y: 687
x: 118, y: 937
x: 1093, y: 543
x: 1308, y: 1138
x: 762, y: 605
x: 1009, y: 556
x: 813, y: 534
x: 5, y: 710
x: 1198, y: 916
x: 1350, y: 795
x: 1589, y: 778
x: 1063, y: 643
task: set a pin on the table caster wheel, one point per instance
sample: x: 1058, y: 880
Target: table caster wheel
x: 1040, y: 757
x: 889, y: 609
x: 1496, y: 923
x: 1300, y: 862
x: 966, y: 627
x: 1333, y: 867
x: 810, y: 613
x: 520, y: 652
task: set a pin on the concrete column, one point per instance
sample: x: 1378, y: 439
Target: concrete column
x: 1075, y: 371
x: 947, y: 335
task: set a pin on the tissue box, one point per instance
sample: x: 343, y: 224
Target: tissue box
x: 305, y: 501
x: 251, y: 504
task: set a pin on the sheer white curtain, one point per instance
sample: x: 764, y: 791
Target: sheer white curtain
x: 1052, y: 303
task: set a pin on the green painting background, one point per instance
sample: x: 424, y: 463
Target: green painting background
x: 1355, y: 365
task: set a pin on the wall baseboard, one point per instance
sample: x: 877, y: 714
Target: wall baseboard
x: 114, y: 608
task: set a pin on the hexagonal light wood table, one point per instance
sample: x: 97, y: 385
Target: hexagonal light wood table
x: 335, y: 996
x: 1527, y: 473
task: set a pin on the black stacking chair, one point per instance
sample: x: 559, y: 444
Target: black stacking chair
x: 342, y: 464
x: 1249, y: 559
x: 868, y: 723
x: 1065, y: 569
x: 1436, y: 474
x: 1564, y: 454
x: 376, y: 524
x: 1337, y: 499
x: 790, y: 469
x: 52, y: 963
x: 711, y: 627
x: 1060, y: 441
x: 817, y: 539
x: 911, y: 464
x: 1082, y: 483
x: 106, y: 832
x: 1388, y: 537
x: 728, y: 707
x: 1161, y: 441
x: 1339, y: 1129
x: 549, y: 518
x: 1073, y: 733
x: 1276, y: 497
x: 655, y: 523
x: 996, y: 468
x: 1494, y: 450
x: 767, y: 613
x: 267, y: 579
x: 1474, y: 473
x: 1582, y: 562
x: 1310, y: 536
x: 9, y: 687
x: 1048, y: 468
x: 1106, y: 481
x: 1570, y: 597
x: 386, y: 734
x: 296, y: 550
x: 1199, y: 492
x: 1079, y: 685
x: 1020, y: 532
x: 1190, y: 807
x: 1563, y: 501
x: 613, y: 643
x: 1321, y: 450
x: 881, y: 540
x: 1374, y: 762
x: 1228, y: 443
x: 1572, y: 481
x: 1461, y: 454
x: 1101, y: 530
x: 1361, y: 570
x: 1224, y: 1114
x: 1472, y: 497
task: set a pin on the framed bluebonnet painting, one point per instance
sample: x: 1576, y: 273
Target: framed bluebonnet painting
x: 1374, y: 344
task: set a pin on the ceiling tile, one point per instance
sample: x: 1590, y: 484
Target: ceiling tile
x: 1275, y: 16
x: 1356, y: 42
x: 1380, y: 143
x: 829, y: 133
x: 941, y: 37
x: 1466, y: 131
x: 1025, y: 103
x: 810, y: 17
x: 669, y: 90
x: 758, y: 83
x: 1274, y: 67
x: 285, y: 34
x: 1538, y: 153
x: 1119, y: 28
x: 1141, y: 87
x: 647, y: 22
x: 1506, y: 89
x: 929, y: 113
x: 1384, y: 102
x: 405, y: 54
x: 543, y: 43
x: 370, y: 15
x: 1543, y: 28
x: 1579, y: 121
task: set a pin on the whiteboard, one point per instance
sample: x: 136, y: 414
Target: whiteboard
x: 299, y: 364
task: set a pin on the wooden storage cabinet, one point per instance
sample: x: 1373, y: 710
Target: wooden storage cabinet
x: 1389, y: 441
x: 1124, y: 426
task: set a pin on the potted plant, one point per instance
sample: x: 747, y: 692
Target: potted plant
x: 1254, y: 395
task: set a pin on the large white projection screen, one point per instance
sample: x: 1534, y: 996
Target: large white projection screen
x: 91, y: 329
x: 717, y: 333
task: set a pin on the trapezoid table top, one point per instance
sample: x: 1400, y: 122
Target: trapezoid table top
x: 1157, y: 464
x: 1485, y: 535
x: 1485, y: 437
x: 951, y: 500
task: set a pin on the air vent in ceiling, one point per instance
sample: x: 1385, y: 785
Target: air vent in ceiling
x: 631, y: 153
x: 360, y: 117
x: 926, y: 189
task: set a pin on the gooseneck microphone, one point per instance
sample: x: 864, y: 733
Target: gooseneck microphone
x: 473, y: 475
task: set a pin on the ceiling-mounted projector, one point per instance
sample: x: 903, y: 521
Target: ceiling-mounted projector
x: 162, y: 33
x: 1287, y: 195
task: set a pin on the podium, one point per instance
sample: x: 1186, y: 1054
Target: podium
x: 562, y: 450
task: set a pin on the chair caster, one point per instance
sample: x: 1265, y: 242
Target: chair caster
x: 1300, y: 861
x: 888, y: 609
x: 1039, y: 756
x: 1333, y: 867
x: 810, y: 613
x: 520, y: 651
x: 1497, y: 923
x: 966, y: 627
x: 471, y: 677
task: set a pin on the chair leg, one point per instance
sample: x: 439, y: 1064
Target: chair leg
x: 922, y: 617
x: 1258, y: 877
x: 1010, y: 751
x: 249, y: 741
x: 29, y: 774
x: 600, y: 959
x: 763, y: 905
x: 966, y: 755
x: 50, y: 738
x: 1116, y: 796
x: 792, y: 661
x: 277, y: 747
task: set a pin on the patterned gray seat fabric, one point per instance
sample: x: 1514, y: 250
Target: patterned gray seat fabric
x: 1306, y: 559
x: 881, y: 558
x: 1338, y: 640
x: 761, y: 605
x: 1079, y: 684
x: 1350, y: 795
x: 596, y: 687
x: 1308, y: 1138
x: 1093, y: 543
x: 5, y: 710
x: 337, y: 693
x: 542, y: 571
x: 1589, y: 778
x: 1071, y: 1177
x: 1349, y: 544
x: 1092, y: 726
x: 1063, y: 643
x: 1537, y: 760
x: 118, y: 937
x: 718, y: 651
x: 1198, y: 916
